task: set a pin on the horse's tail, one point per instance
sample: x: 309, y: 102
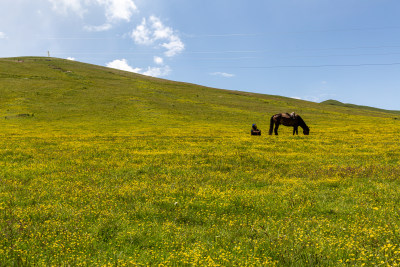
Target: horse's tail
x: 271, y: 125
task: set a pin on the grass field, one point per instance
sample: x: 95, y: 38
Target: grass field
x: 102, y: 167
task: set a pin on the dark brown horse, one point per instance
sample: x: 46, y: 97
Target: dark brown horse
x: 287, y: 119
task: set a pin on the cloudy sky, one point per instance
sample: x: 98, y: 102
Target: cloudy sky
x: 348, y: 50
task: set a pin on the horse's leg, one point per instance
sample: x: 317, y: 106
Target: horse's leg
x: 295, y: 130
x: 276, y: 128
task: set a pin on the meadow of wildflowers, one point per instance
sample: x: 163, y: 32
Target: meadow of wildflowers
x: 112, y: 168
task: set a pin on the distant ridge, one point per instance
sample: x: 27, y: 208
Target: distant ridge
x: 338, y: 103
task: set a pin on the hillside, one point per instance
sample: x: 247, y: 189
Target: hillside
x: 64, y: 93
x: 100, y: 167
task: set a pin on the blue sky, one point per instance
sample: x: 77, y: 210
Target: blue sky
x: 348, y: 50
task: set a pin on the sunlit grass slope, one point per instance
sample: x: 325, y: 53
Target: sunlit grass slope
x: 104, y: 167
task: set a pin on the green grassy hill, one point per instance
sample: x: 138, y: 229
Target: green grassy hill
x: 102, y: 167
x: 62, y: 94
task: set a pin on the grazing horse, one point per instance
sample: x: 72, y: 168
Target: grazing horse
x: 287, y: 119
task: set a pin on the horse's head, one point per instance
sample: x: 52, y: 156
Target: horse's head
x: 306, y: 130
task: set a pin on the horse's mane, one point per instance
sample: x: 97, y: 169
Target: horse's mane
x: 299, y: 118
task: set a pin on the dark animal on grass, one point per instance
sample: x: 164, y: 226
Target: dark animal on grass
x: 255, y: 130
x: 287, y: 119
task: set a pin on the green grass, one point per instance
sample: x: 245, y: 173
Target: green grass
x: 116, y: 168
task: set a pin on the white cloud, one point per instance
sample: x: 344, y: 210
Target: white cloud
x: 154, y: 32
x: 158, y: 60
x: 118, y: 9
x: 71, y: 58
x: 114, y: 10
x: 100, y: 28
x: 223, y: 74
x: 157, y: 72
x: 3, y: 35
x: 63, y: 6
x: 175, y: 46
x: 122, y: 64
x: 142, y: 34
